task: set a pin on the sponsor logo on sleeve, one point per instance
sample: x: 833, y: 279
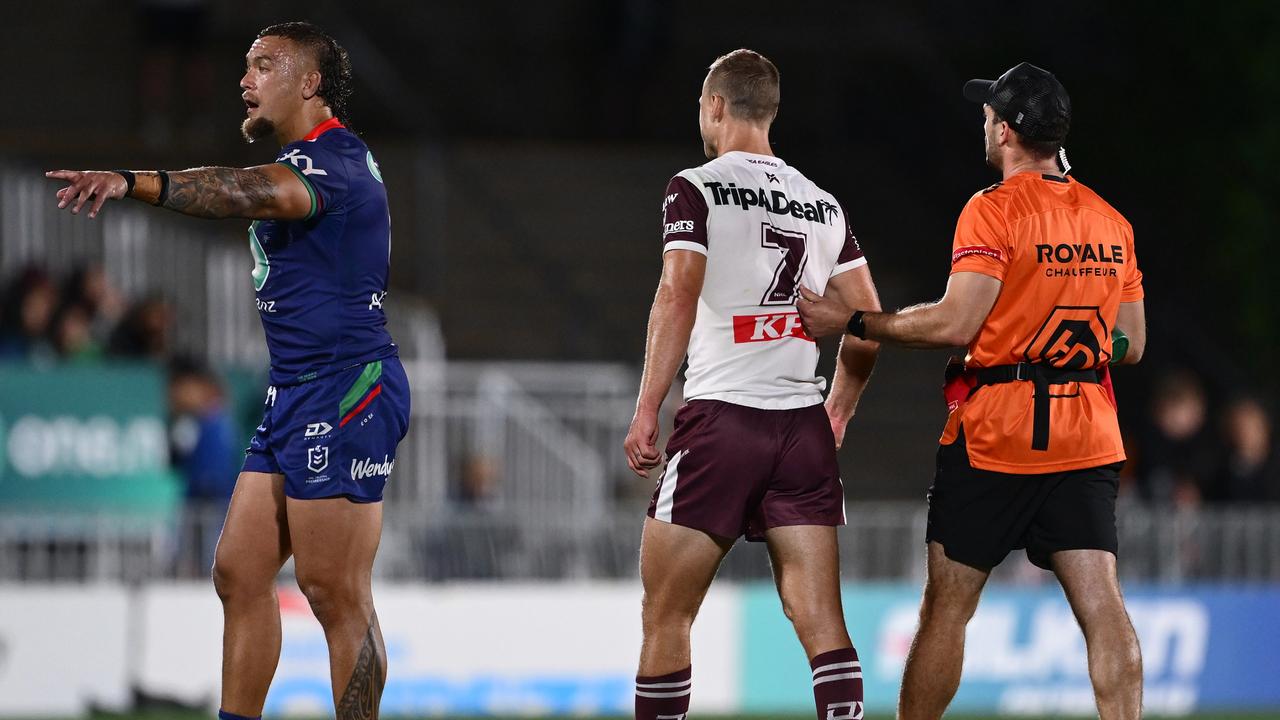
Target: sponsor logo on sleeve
x: 982, y: 250
x: 679, y: 226
x: 764, y: 328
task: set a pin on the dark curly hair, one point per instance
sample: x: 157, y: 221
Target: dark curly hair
x: 333, y: 61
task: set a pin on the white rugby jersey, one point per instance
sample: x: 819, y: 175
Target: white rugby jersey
x: 765, y: 229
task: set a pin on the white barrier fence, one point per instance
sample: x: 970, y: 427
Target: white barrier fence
x: 458, y: 649
x: 558, y: 649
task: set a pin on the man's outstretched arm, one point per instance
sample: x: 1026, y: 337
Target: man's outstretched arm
x: 950, y: 322
x: 272, y: 191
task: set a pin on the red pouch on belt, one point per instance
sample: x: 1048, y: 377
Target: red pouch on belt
x: 957, y: 384
x: 1104, y: 379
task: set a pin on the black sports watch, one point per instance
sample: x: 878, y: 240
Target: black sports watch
x: 856, y: 327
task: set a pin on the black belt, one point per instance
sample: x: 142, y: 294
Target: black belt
x: 1041, y: 376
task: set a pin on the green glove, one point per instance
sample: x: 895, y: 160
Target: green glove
x: 1119, y: 346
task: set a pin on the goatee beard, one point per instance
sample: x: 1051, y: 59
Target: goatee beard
x: 255, y: 129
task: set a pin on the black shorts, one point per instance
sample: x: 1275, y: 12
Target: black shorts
x: 979, y: 516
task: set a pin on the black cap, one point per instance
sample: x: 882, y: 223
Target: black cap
x: 1029, y: 98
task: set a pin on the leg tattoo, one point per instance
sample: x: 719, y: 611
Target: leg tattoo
x: 364, y: 690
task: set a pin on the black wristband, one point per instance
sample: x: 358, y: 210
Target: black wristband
x: 856, y: 327
x: 129, y: 180
x: 164, y: 187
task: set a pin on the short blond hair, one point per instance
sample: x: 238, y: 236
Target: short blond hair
x: 748, y: 82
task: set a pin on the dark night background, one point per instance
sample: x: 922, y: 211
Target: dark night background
x: 526, y: 147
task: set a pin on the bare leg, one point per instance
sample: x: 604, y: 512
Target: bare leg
x: 932, y: 675
x: 1115, y: 663
x: 677, y: 565
x: 253, y: 546
x: 806, y: 569
x: 334, y: 543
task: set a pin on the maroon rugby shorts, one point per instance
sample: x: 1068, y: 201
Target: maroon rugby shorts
x: 734, y: 470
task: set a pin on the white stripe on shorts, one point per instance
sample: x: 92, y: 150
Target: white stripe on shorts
x: 667, y: 493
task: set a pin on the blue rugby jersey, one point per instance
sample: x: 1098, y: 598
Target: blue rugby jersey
x: 321, y: 281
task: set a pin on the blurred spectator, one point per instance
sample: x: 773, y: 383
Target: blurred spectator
x: 144, y: 332
x: 478, y: 481
x: 205, y: 451
x: 1248, y: 469
x: 479, y: 538
x: 27, y: 317
x: 1175, y: 452
x: 72, y: 335
x: 88, y: 287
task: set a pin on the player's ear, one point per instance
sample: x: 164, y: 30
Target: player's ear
x: 717, y: 108
x: 310, y: 84
x: 1003, y: 132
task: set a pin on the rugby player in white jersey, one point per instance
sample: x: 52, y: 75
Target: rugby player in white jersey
x: 752, y: 451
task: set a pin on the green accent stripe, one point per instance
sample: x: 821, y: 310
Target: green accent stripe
x: 307, y: 184
x: 371, y: 373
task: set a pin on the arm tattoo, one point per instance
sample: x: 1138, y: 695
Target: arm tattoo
x: 363, y: 694
x: 220, y: 192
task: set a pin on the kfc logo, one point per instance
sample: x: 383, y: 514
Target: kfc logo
x: 763, y: 328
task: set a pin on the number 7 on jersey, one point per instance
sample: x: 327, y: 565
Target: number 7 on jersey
x: 795, y: 253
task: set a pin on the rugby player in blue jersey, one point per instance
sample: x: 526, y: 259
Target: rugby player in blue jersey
x: 338, y: 403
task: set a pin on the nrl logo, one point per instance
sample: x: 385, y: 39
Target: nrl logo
x: 318, y: 458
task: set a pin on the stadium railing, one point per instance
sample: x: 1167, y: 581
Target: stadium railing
x: 883, y: 541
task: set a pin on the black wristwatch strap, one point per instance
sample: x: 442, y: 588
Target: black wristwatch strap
x: 164, y: 187
x: 129, y: 180
x: 856, y: 327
